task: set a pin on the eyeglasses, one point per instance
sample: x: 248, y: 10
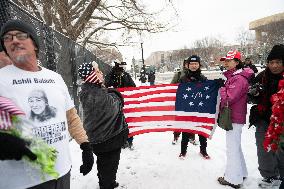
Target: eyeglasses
x: 19, y: 36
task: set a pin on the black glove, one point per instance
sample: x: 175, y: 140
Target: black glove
x: 221, y: 82
x: 12, y: 147
x: 87, y: 158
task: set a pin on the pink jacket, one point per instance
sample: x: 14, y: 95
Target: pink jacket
x: 235, y: 92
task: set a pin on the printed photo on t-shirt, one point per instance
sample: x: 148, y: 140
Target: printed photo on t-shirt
x: 41, y: 111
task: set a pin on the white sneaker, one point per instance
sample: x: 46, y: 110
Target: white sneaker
x: 269, y: 182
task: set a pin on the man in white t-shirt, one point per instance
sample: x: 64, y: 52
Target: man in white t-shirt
x: 43, y: 96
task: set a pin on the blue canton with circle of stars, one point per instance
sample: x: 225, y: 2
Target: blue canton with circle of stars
x: 197, y: 97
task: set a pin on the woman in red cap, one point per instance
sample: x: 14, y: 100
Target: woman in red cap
x: 234, y: 93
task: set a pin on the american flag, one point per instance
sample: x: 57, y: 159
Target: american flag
x: 185, y: 107
x: 7, y: 109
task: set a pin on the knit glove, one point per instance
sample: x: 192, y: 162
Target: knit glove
x: 12, y: 147
x: 87, y: 158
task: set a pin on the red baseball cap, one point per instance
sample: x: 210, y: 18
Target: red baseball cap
x: 231, y: 55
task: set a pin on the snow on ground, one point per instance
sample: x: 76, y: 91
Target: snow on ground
x: 154, y: 164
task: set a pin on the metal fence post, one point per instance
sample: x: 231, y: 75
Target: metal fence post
x: 4, y: 13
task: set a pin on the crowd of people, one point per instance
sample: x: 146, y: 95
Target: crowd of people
x: 104, y: 130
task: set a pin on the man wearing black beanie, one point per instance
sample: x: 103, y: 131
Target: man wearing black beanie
x: 262, y: 88
x: 20, y: 26
x: 18, y: 81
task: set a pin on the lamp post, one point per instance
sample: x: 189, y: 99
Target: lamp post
x: 142, y: 54
x: 143, y: 70
x: 134, y: 67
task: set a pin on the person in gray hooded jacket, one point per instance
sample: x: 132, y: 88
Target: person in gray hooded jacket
x: 104, y: 123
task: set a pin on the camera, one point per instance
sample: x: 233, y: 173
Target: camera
x: 256, y: 89
x: 119, y: 66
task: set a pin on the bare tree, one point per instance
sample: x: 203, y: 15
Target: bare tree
x: 108, y: 55
x: 208, y: 49
x: 246, y: 41
x: 270, y: 36
x: 90, y: 21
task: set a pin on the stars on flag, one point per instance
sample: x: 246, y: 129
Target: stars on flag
x: 185, y: 96
x: 199, y: 96
x: 196, y: 98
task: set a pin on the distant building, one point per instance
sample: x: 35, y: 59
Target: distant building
x: 270, y: 28
x: 268, y: 32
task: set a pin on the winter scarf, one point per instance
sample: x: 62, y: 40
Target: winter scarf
x: 270, y: 83
x: 191, y: 76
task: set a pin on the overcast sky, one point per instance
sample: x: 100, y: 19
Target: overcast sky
x: 222, y: 19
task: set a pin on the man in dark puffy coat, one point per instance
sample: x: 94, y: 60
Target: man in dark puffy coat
x: 191, y: 73
x: 248, y: 64
x: 143, y: 77
x: 119, y: 78
x: 104, y: 123
x: 151, y: 77
x: 262, y: 88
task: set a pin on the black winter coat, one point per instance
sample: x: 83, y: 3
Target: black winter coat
x: 188, y: 76
x: 262, y: 109
x: 151, y: 77
x: 104, y: 120
x: 118, y: 79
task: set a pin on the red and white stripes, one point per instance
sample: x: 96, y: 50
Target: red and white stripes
x: 152, y: 109
x: 7, y: 109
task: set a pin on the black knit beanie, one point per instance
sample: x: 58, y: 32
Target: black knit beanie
x: 277, y: 52
x: 193, y: 58
x: 21, y: 26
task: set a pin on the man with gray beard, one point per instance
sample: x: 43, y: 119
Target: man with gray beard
x: 18, y: 81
